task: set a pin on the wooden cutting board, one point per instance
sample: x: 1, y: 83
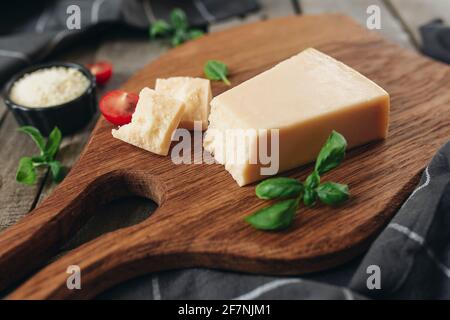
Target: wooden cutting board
x: 199, y: 221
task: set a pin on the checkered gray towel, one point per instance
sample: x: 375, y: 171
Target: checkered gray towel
x: 436, y: 40
x: 31, y: 30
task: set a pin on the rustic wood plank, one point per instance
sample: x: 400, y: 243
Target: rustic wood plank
x: 200, y: 218
x: 414, y: 13
x: 17, y: 200
x: 269, y: 9
x: 3, y: 111
x: 127, y: 56
x: 391, y: 28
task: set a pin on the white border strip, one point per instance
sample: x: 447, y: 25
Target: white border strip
x: 426, y: 183
x: 204, y: 12
x: 406, y: 231
x: 95, y: 10
x: 14, y: 54
x: 421, y: 241
x: 42, y: 22
x: 347, y: 294
x: 148, y: 11
x: 155, y: 287
x: 54, y: 42
x: 266, y: 288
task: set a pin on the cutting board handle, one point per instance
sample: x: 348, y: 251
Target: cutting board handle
x: 27, y: 245
x: 109, y: 260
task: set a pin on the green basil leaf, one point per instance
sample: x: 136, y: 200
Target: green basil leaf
x: 332, y: 193
x: 275, y: 217
x: 178, y: 19
x: 195, y: 33
x: 159, y: 28
x: 331, y: 154
x: 38, y: 160
x: 53, y: 142
x: 281, y: 187
x: 57, y: 170
x: 178, y: 38
x: 34, y: 134
x: 216, y: 70
x: 313, y: 180
x: 309, y: 197
x: 26, y: 172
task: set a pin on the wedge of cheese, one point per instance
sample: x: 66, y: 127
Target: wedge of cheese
x: 155, y: 119
x: 304, y: 97
x: 196, y: 95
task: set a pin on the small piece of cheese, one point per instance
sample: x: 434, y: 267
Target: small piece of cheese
x: 305, y: 97
x: 155, y: 119
x: 196, y: 95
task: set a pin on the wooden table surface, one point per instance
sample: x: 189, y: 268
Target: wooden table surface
x: 400, y: 20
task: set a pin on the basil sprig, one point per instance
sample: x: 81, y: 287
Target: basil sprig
x: 331, y: 154
x: 332, y: 193
x: 276, y: 188
x: 177, y: 29
x: 277, y: 216
x: 26, y: 172
x: 216, y: 70
x: 292, y: 192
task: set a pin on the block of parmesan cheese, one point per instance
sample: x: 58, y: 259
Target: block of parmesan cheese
x: 155, y: 119
x: 305, y: 97
x: 196, y: 95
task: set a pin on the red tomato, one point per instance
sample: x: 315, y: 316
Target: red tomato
x: 117, y: 106
x: 102, y: 70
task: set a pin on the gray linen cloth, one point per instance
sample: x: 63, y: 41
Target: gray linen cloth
x: 32, y: 35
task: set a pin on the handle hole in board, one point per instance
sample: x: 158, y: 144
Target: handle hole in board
x: 115, y: 200
x: 114, y: 215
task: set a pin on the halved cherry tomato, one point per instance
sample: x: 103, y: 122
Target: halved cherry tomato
x: 117, y: 106
x: 102, y: 70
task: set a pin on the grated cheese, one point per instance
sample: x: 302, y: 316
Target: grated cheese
x: 49, y: 87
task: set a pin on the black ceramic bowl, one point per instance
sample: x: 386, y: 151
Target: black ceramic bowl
x: 68, y: 117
